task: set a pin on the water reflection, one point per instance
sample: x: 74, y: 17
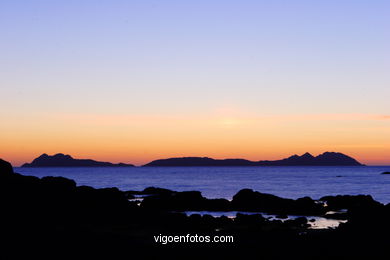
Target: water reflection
x: 315, y: 222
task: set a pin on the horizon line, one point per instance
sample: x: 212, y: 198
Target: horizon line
x: 214, y: 158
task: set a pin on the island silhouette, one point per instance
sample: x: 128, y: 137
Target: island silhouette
x: 64, y: 160
x: 324, y: 159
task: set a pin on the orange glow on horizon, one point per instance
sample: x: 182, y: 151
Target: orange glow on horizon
x: 141, y: 139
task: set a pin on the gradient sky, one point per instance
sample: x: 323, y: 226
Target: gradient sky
x: 133, y: 81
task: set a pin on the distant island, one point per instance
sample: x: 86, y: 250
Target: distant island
x: 62, y: 160
x: 325, y: 159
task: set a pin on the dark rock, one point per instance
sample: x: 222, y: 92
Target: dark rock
x: 249, y: 200
x: 178, y: 201
x: 307, y: 206
x: 217, y: 205
x: 129, y: 195
x: 108, y: 198
x: 385, y: 173
x: 299, y: 222
x: 53, y: 213
x: 348, y: 201
x: 133, y: 193
x: 245, y: 219
x: 5, y: 167
x: 58, y: 184
x: 196, y: 217
x: 367, y: 219
x: 182, y: 201
x: 156, y: 191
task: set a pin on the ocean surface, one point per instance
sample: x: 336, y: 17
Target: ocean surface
x: 224, y: 182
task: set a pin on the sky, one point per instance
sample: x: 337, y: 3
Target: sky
x: 132, y: 81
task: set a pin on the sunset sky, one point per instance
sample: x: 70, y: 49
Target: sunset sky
x: 133, y: 81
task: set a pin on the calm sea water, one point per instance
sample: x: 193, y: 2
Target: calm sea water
x: 224, y: 182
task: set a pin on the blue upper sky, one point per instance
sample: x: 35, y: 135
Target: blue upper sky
x: 139, y: 56
x: 194, y: 58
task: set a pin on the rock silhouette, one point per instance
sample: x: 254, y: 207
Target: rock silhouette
x: 62, y: 160
x: 5, y: 167
x: 349, y: 201
x: 249, y: 200
x: 54, y: 215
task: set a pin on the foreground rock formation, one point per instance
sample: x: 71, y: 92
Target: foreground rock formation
x: 53, y: 213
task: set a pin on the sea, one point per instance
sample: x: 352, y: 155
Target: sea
x: 224, y: 182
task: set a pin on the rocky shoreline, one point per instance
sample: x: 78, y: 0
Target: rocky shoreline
x: 56, y: 213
